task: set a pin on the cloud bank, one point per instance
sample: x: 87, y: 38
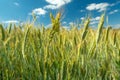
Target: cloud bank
x: 55, y: 4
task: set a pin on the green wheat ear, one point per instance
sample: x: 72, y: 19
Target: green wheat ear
x: 55, y: 24
x: 114, y: 38
x: 34, y: 17
x: 107, y: 32
x: 2, y: 32
x: 100, y: 26
x: 52, y: 17
x: 10, y: 27
x: 86, y: 25
x: 24, y: 41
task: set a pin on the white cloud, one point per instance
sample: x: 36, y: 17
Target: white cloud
x: 114, y: 11
x: 116, y: 26
x: 82, y: 10
x: 16, y: 4
x: 64, y: 22
x: 39, y: 11
x: 113, y: 4
x: 55, y: 4
x: 11, y: 21
x: 50, y: 7
x: 92, y: 19
x: 96, y: 18
x: 94, y: 22
x: 82, y: 18
x: 66, y: 27
x: 49, y: 25
x: 71, y: 23
x: 100, y: 7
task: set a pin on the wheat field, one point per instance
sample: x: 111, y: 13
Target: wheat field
x: 36, y: 53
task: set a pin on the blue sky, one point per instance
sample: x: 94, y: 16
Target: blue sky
x: 16, y: 11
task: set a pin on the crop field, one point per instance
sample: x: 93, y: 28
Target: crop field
x: 28, y: 52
